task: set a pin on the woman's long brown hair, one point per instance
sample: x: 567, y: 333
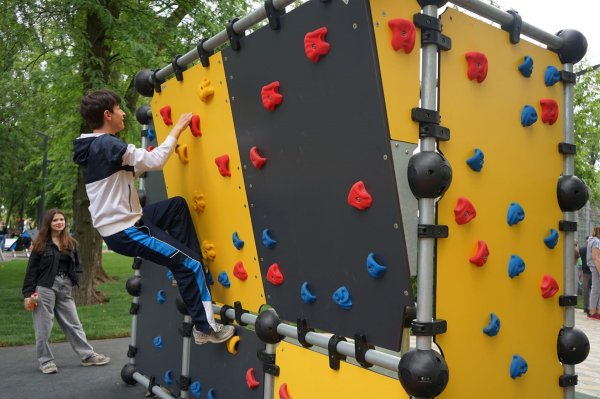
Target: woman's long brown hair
x: 67, y: 243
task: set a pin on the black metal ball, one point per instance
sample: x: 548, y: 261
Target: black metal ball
x: 143, y: 82
x: 572, y: 193
x: 572, y: 346
x: 144, y: 114
x: 423, y: 373
x: 127, y: 374
x: 134, y: 285
x: 429, y: 174
x: 266, y: 327
x: 574, y: 46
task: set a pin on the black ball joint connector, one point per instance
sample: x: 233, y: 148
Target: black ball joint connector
x: 423, y: 373
x: 429, y: 174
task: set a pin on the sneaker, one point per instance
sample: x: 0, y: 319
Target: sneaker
x: 48, y: 368
x: 595, y: 316
x: 95, y: 360
x: 221, y: 334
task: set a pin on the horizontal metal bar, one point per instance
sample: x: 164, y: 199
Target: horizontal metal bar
x: 142, y: 379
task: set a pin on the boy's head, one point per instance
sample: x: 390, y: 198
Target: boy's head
x: 95, y: 104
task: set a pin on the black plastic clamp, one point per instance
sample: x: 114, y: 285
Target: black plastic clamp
x: 239, y: 311
x: 514, y: 27
x: 137, y: 262
x: 151, y: 384
x: 186, y: 329
x: 183, y: 382
x: 568, y: 77
x: 203, y: 54
x: 268, y: 362
x: 567, y: 380
x: 567, y: 300
x: 134, y: 309
x: 431, y: 31
x: 563, y: 225
x: 178, y: 69
x: 132, y: 351
x: 224, y: 319
x: 234, y: 38
x: 429, y: 329
x: 567, y: 149
x: 334, y: 356
x: 427, y: 22
x: 273, y: 14
x: 434, y: 130
x: 423, y: 115
x: 410, y: 313
x: 432, y: 231
x: 156, y: 82
x: 361, y: 346
x: 302, y: 328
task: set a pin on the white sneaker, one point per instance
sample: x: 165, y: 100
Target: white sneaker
x: 48, y: 368
x: 95, y: 360
x: 221, y: 334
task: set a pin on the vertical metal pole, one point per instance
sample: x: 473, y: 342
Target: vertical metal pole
x: 134, y: 321
x: 269, y: 379
x: 185, y: 358
x: 141, y: 180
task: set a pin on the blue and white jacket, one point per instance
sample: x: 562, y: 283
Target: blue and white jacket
x: 109, y: 169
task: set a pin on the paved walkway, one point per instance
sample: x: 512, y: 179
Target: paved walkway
x: 589, y: 371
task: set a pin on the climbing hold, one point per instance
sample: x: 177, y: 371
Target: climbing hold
x: 151, y: 135
x: 375, y: 270
x: 552, y: 239
x: 158, y: 342
x: 516, y: 266
x: 549, y: 286
x: 341, y: 296
x: 182, y: 153
x: 315, y: 44
x: 239, y: 271
x: 196, y: 389
x: 168, y: 377
x: 150, y: 148
x: 403, y: 34
x: 477, y: 66
x: 209, y: 278
x: 481, y: 255
x: 170, y: 276
x: 274, y: 275
x: 359, y: 197
x: 198, y: 202
x: 528, y: 116
x: 515, y: 214
x: 161, y: 297
x: 212, y: 394
x: 205, y: 90
x: 165, y: 112
x: 195, y: 126
x: 549, y: 110
x: 223, y: 279
x: 306, y: 295
x: 223, y: 165
x: 518, y: 366
x: 572, y: 193
x: 257, y: 160
x: 251, y: 379
x: 232, y: 345
x: 526, y: 68
x: 551, y: 76
x: 283, y: 392
x: 475, y: 162
x: 493, y: 326
x: 464, y: 211
x: 237, y: 242
x: 208, y: 250
x: 267, y: 240
x: 271, y: 96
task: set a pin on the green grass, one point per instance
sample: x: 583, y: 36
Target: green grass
x: 107, y: 320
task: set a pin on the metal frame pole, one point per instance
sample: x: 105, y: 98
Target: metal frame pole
x: 185, y: 358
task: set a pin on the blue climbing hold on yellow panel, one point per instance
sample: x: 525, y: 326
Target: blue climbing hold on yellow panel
x: 551, y: 239
x: 224, y: 279
x: 518, y: 366
x: 526, y: 67
x: 516, y: 266
x: 551, y: 76
x: 475, y: 162
x: 528, y: 116
x: 493, y: 326
x: 515, y: 214
x: 237, y: 242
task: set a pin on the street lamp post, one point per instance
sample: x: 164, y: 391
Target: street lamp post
x: 42, y: 203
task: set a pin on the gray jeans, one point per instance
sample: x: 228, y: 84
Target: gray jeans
x: 58, y: 302
x: 586, y: 282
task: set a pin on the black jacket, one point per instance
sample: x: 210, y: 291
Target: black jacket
x: 42, y: 269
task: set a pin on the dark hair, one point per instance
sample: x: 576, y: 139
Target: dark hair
x: 67, y: 243
x: 94, y: 103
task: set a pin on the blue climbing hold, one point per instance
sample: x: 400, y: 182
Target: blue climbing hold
x: 307, y: 296
x: 518, y: 367
x: 551, y: 76
x: 158, y: 344
x: 341, y: 296
x: 224, y: 279
x: 168, y: 377
x: 209, y: 278
x: 515, y: 214
x: 528, y: 116
x: 151, y: 135
x: 476, y: 161
x: 161, y: 297
x: 516, y: 266
x: 170, y: 276
x: 239, y: 244
x: 493, y: 326
x: 552, y: 239
x: 267, y: 240
x: 375, y: 270
x: 526, y: 68
x: 196, y: 389
x: 212, y: 394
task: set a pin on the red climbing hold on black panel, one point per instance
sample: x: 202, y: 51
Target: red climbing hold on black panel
x: 477, y: 64
x: 257, y: 160
x: 223, y: 165
x: 549, y: 110
x: 359, y: 197
x: 195, y: 126
x: 165, y: 112
x: 274, y: 275
x: 240, y: 272
x: 271, y: 97
x: 315, y: 45
x: 403, y: 34
x: 464, y: 211
x: 251, y: 380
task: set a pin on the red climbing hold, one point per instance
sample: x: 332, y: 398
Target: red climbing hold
x: 403, y: 34
x: 223, y: 165
x: 240, y: 272
x: 549, y: 286
x: 464, y: 211
x: 359, y: 197
x: 477, y: 66
x: 150, y: 148
x: 481, y: 255
x: 283, y: 393
x: 315, y: 45
x: 165, y: 112
x: 251, y: 379
x: 549, y: 110
x: 195, y: 126
x: 257, y: 160
x: 270, y: 96
x: 274, y: 275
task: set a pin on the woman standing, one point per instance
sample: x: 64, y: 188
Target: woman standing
x: 52, y: 272
x: 593, y: 261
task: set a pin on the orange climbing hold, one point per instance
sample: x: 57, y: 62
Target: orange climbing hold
x: 359, y: 197
x: 283, y: 392
x: 464, y: 211
x: 403, y: 34
x: 195, y: 126
x: 223, y: 165
x: 182, y: 153
x: 315, y: 44
x: 481, y: 256
x: 251, y: 379
x: 274, y: 275
x: 549, y: 110
x: 477, y: 66
x: 549, y: 286
x: 205, y: 91
x: 240, y: 272
x: 257, y: 160
x: 270, y: 96
x: 165, y: 112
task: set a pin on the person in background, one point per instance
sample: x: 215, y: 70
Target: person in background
x: 576, y: 267
x: 593, y: 262
x: 586, y: 277
x: 52, y: 271
x: 3, y: 234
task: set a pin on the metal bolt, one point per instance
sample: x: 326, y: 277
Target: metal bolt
x: 396, y: 145
x: 230, y: 77
x: 251, y: 205
x: 354, y: 25
x: 385, y: 157
x: 377, y: 24
x: 405, y: 293
x: 250, y: 185
x: 383, y: 13
x: 396, y: 226
x: 232, y: 98
x: 406, y: 152
x: 224, y: 58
